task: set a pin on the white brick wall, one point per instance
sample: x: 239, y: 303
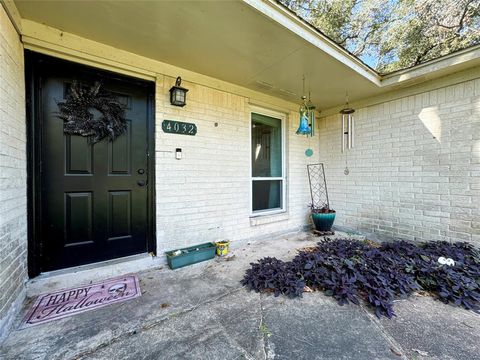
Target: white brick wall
x: 13, y: 212
x: 415, y: 169
x: 205, y: 196
x: 403, y: 182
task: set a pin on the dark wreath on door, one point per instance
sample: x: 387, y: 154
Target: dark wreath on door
x: 92, y: 112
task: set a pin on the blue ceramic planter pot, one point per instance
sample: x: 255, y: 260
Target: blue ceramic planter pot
x: 323, y: 221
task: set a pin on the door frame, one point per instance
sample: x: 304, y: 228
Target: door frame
x: 34, y: 152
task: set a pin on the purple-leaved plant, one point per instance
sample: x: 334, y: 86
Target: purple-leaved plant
x: 349, y: 270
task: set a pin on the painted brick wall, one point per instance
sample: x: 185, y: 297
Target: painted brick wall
x: 205, y: 196
x: 415, y: 169
x: 13, y: 212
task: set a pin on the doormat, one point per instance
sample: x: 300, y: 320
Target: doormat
x: 63, y: 303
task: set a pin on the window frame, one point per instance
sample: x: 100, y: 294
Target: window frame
x: 283, y: 179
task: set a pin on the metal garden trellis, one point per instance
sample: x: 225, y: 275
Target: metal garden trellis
x: 318, y: 187
x: 322, y: 216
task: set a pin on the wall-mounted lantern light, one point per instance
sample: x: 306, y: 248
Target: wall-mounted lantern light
x: 178, y: 94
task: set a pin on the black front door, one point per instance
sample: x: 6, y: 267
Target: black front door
x: 93, y: 200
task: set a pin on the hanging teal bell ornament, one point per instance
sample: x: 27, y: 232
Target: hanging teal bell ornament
x: 304, y: 127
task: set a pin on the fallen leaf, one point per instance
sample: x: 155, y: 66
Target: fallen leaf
x: 307, y: 249
x: 372, y: 243
x: 395, y: 352
x: 164, y: 305
x: 307, y: 289
x: 420, y: 352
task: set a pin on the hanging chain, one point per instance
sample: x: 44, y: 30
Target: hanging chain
x: 346, y: 171
x: 303, y: 92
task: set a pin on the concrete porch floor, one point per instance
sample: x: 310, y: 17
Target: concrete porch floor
x: 203, y: 312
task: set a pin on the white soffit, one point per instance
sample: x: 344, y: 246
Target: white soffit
x: 252, y: 43
x: 228, y: 40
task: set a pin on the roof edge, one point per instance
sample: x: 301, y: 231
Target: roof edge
x: 397, y: 94
x: 286, y: 18
x: 441, y: 66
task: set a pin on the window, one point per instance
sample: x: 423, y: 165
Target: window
x: 267, y: 152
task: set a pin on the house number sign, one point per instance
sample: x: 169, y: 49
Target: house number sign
x: 178, y: 127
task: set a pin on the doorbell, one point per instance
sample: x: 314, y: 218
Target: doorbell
x: 178, y: 154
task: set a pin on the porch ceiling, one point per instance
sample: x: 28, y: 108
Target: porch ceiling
x: 228, y: 40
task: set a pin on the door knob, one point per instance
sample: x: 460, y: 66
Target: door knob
x: 141, y: 171
x: 141, y: 183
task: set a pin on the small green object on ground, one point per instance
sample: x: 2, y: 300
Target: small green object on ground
x: 191, y: 255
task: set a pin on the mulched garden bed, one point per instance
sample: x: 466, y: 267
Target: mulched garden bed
x: 379, y: 273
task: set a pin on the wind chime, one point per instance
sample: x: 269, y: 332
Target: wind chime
x: 307, y: 115
x: 348, y: 131
x: 307, y: 118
